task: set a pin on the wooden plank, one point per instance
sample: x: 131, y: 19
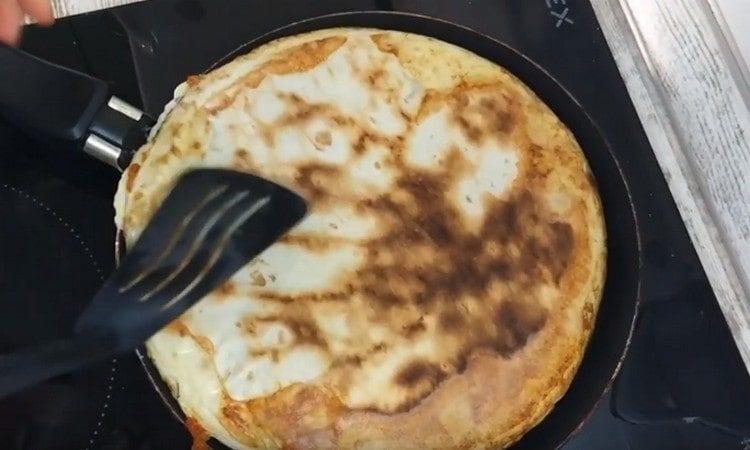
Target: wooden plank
x: 734, y: 13
x: 64, y: 8
x: 689, y: 100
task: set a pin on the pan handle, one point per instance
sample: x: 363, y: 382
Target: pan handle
x: 61, y: 104
x: 31, y: 365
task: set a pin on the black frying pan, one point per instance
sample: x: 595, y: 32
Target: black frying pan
x: 621, y: 297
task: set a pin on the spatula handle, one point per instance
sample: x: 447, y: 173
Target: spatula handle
x: 32, y: 365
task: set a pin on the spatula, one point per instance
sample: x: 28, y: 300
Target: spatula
x: 211, y: 224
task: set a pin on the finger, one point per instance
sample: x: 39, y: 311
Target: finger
x: 10, y: 21
x: 39, y: 10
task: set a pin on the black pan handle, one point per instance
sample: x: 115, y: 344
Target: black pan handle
x: 57, y: 103
x: 32, y: 365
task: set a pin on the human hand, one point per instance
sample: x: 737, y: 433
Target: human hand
x: 12, y: 16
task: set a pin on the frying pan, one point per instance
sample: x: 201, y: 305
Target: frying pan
x: 118, y: 134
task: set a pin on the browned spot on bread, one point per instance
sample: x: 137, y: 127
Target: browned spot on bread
x: 561, y: 248
x: 516, y: 322
x: 249, y: 325
x: 298, y: 59
x: 323, y: 138
x: 382, y: 41
x: 420, y: 378
x: 193, y: 80
x: 163, y: 159
x: 419, y: 371
x: 341, y: 120
x: 309, y: 296
x: 427, y: 218
x: 414, y: 328
x: 395, y: 145
x: 303, y: 328
x: 433, y: 102
x: 299, y: 111
x: 222, y: 101
x: 268, y: 135
x: 356, y: 359
x: 350, y: 360
x: 178, y: 327
x: 258, y: 280
x: 486, y: 112
x: 226, y: 289
x: 258, y: 353
x: 132, y: 173
x: 243, y: 160
x: 316, y: 179
x: 360, y: 146
x: 305, y: 331
x: 451, y: 321
x: 312, y: 242
x: 377, y: 79
x: 205, y: 343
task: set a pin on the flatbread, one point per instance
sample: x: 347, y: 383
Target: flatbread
x: 443, y: 288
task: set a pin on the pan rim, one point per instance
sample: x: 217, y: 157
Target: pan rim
x: 320, y: 23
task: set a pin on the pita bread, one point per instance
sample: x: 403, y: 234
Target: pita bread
x: 443, y: 288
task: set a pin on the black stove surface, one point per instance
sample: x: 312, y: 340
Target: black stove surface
x: 683, y: 385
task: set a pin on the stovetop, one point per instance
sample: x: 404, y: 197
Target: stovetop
x: 682, y: 386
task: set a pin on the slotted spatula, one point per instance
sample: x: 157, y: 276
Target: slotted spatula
x: 211, y: 224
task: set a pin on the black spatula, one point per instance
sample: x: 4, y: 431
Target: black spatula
x: 210, y: 225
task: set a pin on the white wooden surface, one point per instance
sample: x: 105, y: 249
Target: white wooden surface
x: 63, y: 8
x: 688, y: 92
x: 692, y: 95
x: 735, y: 13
